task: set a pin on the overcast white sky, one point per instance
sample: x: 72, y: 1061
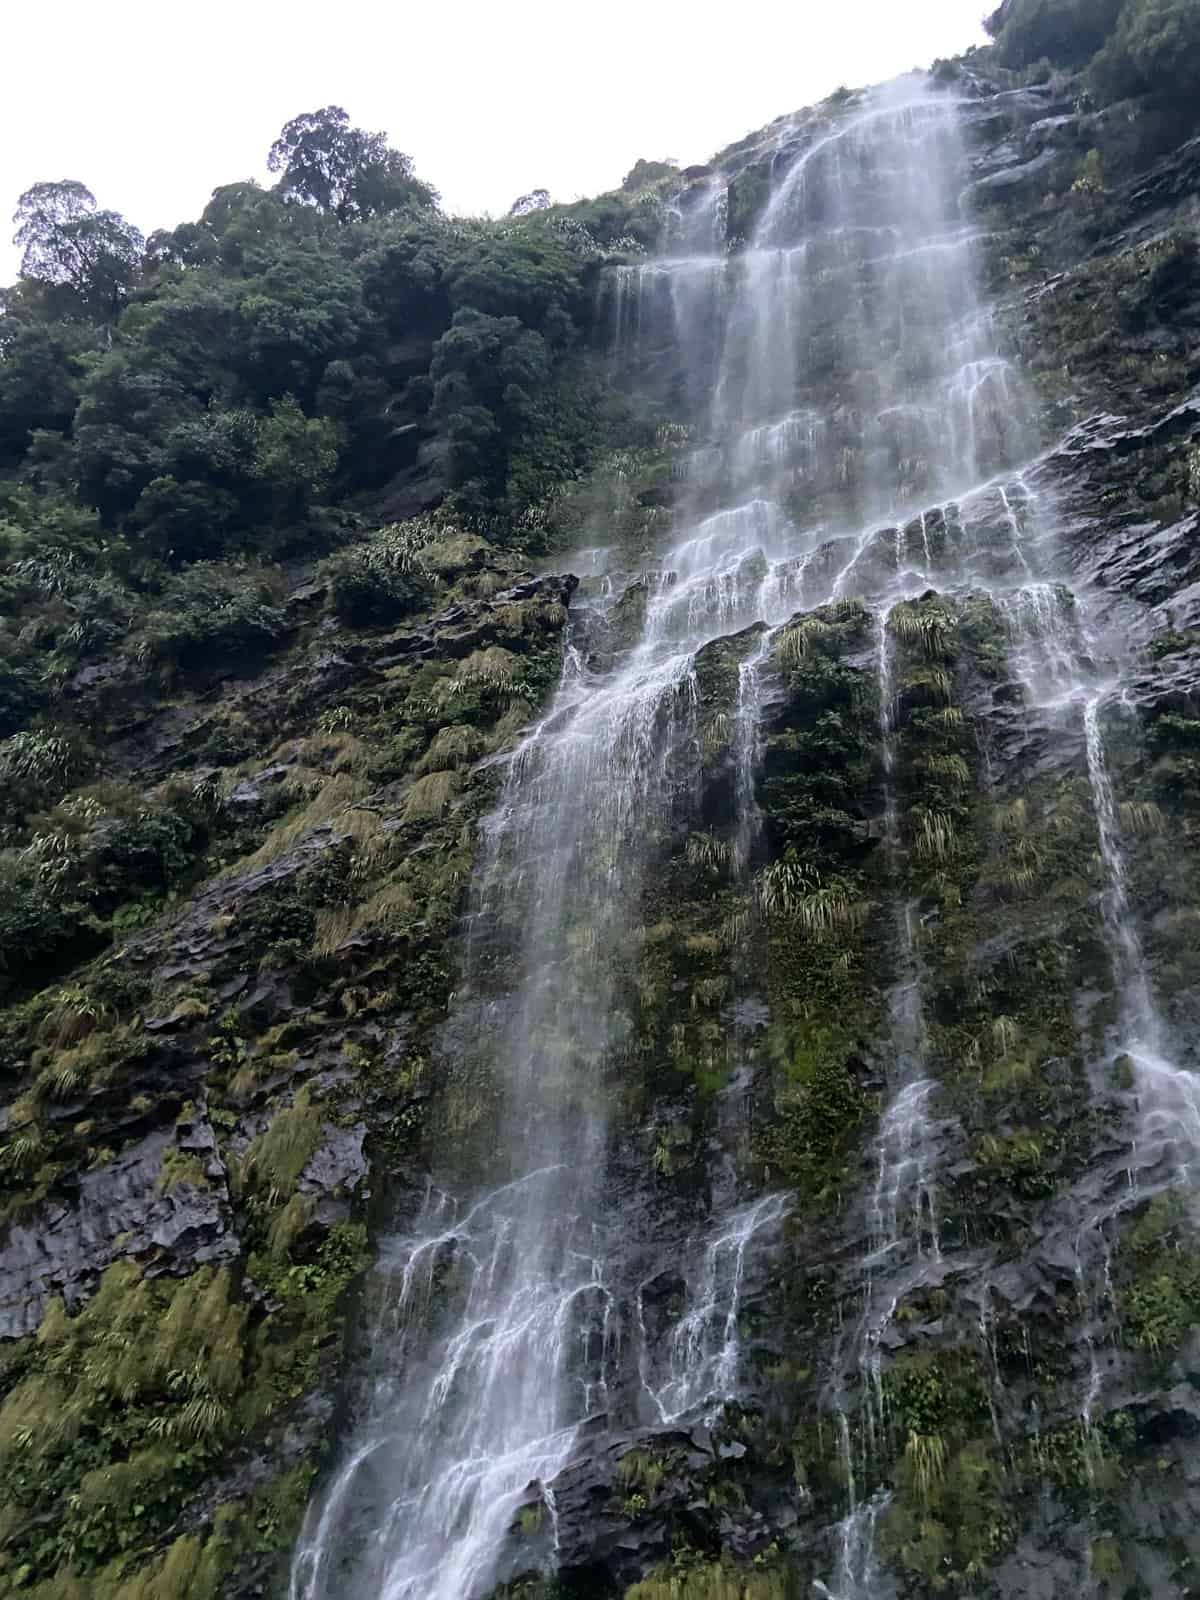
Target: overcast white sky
x: 153, y: 103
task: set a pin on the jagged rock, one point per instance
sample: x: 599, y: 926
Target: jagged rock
x: 119, y: 1211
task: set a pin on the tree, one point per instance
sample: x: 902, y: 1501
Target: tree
x: 645, y: 172
x: 66, y: 241
x: 1154, y: 51
x: 535, y: 200
x: 42, y: 365
x: 1065, y: 32
x: 486, y: 371
x: 296, y: 457
x: 346, y: 172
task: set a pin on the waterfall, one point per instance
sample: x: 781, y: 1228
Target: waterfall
x: 704, y: 1346
x: 455, y: 1438
x: 503, y: 1303
x: 1169, y: 1098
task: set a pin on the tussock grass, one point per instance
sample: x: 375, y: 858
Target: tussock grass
x: 278, y: 1156
x: 951, y: 770
x: 927, y: 628
x: 802, y: 640
x: 706, y: 851
x: 493, y: 671
x: 69, y: 1071
x: 711, y: 1583
x: 334, y: 802
x: 1141, y: 817
x: 73, y: 1015
x: 290, y: 1223
x: 429, y: 797
x: 937, y: 837
x: 453, y: 748
x: 933, y: 685
x: 134, y: 1342
x: 793, y: 891
x: 925, y: 1462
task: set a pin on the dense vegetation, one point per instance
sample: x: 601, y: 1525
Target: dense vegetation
x: 262, y: 381
x: 1130, y: 47
x: 180, y: 416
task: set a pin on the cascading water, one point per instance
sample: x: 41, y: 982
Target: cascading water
x: 502, y: 1323
x: 704, y: 1348
x: 1169, y: 1098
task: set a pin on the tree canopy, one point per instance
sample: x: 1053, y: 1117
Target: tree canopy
x: 261, y: 383
x: 1132, y: 48
x: 66, y: 241
x: 346, y: 172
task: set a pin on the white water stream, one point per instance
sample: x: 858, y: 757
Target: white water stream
x: 499, y: 1330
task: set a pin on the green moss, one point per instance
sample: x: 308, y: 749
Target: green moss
x: 820, y: 1109
x: 1019, y: 1159
x: 119, y: 1411
x: 949, y: 1533
x: 719, y: 1581
x: 1107, y: 1565
x: 182, y: 1166
x: 1160, y: 1299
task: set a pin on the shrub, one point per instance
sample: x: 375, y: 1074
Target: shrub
x: 36, y: 766
x: 212, y: 609
x: 39, y: 913
x: 1065, y: 32
x: 1155, y: 50
x: 383, y: 577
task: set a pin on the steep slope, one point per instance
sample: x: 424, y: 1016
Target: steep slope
x: 883, y: 1008
x: 716, y: 1029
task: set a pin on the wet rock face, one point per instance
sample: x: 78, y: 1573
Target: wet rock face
x: 121, y: 1212
x: 195, y: 1121
x: 1027, y: 1385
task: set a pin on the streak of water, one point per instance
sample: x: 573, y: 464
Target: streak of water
x: 498, y: 1337
x: 705, y: 1348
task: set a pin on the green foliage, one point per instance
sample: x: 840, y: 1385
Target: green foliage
x: 277, y: 1157
x: 336, y: 336
x: 1161, y: 1301
x: 719, y: 1581
x: 1155, y: 50
x: 949, y: 1518
x: 210, y: 610
x: 948, y: 1535
x: 793, y: 892
x: 643, y: 173
x: 153, y: 1371
x: 486, y: 371
x: 66, y: 242
x: 117, y: 1415
x: 383, y: 577
x: 36, y: 766
x: 38, y: 912
x: 1106, y: 1561
x: 295, y: 456
x: 748, y: 194
x: 1090, y: 183
x: 1134, y: 47
x: 1065, y: 32
x: 1019, y: 1160
x: 346, y: 172
x: 820, y: 1110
